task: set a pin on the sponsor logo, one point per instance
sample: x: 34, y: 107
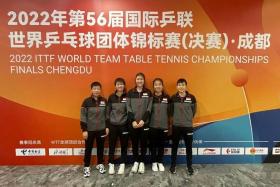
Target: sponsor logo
x: 167, y: 151
x: 124, y: 100
x: 233, y: 151
x: 256, y: 151
x: 81, y: 151
x: 78, y: 151
x: 209, y: 151
x: 60, y: 151
x: 31, y: 152
x: 194, y: 151
x: 276, y: 151
x: 182, y: 151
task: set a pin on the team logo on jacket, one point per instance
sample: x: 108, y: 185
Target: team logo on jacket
x: 188, y: 100
x: 145, y: 94
x: 124, y: 100
x: 164, y: 100
x: 102, y: 103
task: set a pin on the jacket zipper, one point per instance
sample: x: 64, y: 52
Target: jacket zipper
x: 158, y: 111
x: 97, y: 114
x: 139, y: 104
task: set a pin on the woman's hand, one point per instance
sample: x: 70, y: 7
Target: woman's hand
x: 135, y: 125
x: 141, y: 123
x: 107, y: 131
x: 85, y: 135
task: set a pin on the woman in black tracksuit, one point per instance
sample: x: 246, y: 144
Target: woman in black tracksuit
x: 139, y: 104
x: 117, y: 114
x: 159, y: 124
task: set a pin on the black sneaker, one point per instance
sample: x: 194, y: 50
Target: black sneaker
x: 172, y: 169
x: 190, y: 170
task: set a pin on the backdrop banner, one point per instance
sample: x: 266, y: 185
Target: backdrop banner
x: 51, y: 51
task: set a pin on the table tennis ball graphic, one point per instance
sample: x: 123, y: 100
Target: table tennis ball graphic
x: 239, y: 77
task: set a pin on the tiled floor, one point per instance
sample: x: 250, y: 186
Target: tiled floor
x: 205, y: 175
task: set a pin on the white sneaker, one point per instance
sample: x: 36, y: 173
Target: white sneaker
x: 134, y: 168
x: 121, y: 169
x: 111, y: 169
x: 161, y: 167
x: 101, y: 168
x: 86, y: 171
x: 154, y: 166
x: 141, y: 168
